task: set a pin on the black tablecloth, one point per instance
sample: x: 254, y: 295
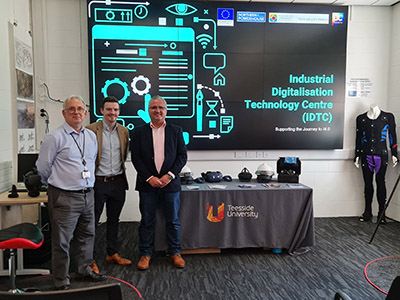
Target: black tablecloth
x: 241, y: 217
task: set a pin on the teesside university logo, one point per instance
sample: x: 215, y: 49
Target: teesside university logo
x: 220, y: 215
x: 233, y: 211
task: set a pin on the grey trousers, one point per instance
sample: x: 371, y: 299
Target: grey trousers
x: 72, y: 226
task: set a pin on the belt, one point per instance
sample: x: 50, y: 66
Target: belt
x: 109, y: 178
x: 83, y: 191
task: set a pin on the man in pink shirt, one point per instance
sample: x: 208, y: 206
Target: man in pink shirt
x: 158, y: 155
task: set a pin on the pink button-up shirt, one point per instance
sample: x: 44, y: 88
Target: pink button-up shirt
x: 158, y: 145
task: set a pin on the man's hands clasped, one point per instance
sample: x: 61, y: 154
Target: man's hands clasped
x: 162, y: 182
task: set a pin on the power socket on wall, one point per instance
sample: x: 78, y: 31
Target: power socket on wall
x: 240, y: 154
x: 250, y: 154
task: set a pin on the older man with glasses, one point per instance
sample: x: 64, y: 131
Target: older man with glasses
x: 66, y: 164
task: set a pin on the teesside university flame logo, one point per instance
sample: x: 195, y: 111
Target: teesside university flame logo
x: 220, y: 215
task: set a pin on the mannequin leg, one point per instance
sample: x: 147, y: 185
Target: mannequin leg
x: 381, y: 187
x: 368, y: 190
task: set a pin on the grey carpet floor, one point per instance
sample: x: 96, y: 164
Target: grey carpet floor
x: 336, y: 262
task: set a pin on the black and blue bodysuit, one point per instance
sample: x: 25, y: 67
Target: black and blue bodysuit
x: 372, y: 138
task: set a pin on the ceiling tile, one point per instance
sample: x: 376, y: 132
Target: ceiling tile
x: 385, y: 2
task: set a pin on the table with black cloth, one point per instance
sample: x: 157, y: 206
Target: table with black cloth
x: 243, y: 217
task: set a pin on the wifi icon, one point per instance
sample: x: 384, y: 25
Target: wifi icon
x: 204, y: 39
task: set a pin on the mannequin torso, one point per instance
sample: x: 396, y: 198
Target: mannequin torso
x: 373, y: 112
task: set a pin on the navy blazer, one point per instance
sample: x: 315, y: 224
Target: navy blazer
x: 142, y: 156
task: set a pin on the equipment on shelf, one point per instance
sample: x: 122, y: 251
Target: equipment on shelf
x: 245, y: 175
x: 288, y: 169
x: 186, y: 175
x: 264, y: 173
x: 212, y: 176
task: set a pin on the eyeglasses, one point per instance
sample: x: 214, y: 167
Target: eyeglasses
x: 157, y: 107
x: 72, y: 110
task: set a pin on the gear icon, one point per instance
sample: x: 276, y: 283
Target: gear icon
x: 110, y: 15
x: 124, y: 85
x: 143, y: 79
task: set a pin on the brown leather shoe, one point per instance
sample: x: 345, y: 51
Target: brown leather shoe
x: 178, y: 261
x: 94, y: 267
x: 144, y: 263
x: 118, y: 260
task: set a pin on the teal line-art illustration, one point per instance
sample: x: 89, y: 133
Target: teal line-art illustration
x: 196, y: 20
x: 144, y: 113
x: 219, y: 80
x: 211, y: 105
x: 181, y: 9
x: 141, y: 12
x: 136, y: 53
x: 163, y: 55
x: 204, y: 39
x: 215, y: 114
x: 215, y: 62
x: 113, y: 15
x: 199, y: 110
x: 122, y: 84
x: 226, y: 124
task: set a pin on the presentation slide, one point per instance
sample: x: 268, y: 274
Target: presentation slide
x: 235, y: 75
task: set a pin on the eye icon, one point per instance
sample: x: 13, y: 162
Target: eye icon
x: 181, y: 9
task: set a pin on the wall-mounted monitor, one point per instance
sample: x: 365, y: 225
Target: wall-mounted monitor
x: 235, y: 75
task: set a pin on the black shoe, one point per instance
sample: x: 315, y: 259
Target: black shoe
x: 93, y: 277
x: 383, y: 221
x: 63, y: 287
x: 30, y: 290
x: 364, y: 219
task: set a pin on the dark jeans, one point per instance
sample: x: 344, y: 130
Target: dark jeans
x: 368, y: 175
x: 111, y: 194
x: 169, y: 203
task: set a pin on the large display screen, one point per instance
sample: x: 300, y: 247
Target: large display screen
x: 234, y: 75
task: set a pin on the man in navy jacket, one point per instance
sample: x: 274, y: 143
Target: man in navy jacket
x: 158, y: 155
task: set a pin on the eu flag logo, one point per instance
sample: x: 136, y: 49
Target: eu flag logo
x: 225, y: 16
x: 225, y: 13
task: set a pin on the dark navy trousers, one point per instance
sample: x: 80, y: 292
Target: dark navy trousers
x: 112, y: 195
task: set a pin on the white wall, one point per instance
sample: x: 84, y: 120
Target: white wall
x: 18, y: 12
x: 393, y: 102
x: 60, y: 41
x: 60, y: 26
x: 12, y: 12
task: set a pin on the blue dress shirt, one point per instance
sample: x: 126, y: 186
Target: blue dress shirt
x: 110, y: 161
x: 60, y: 161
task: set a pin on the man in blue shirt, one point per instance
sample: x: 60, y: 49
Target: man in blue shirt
x: 66, y: 164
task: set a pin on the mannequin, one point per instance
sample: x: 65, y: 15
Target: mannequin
x: 375, y: 129
x: 373, y: 113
